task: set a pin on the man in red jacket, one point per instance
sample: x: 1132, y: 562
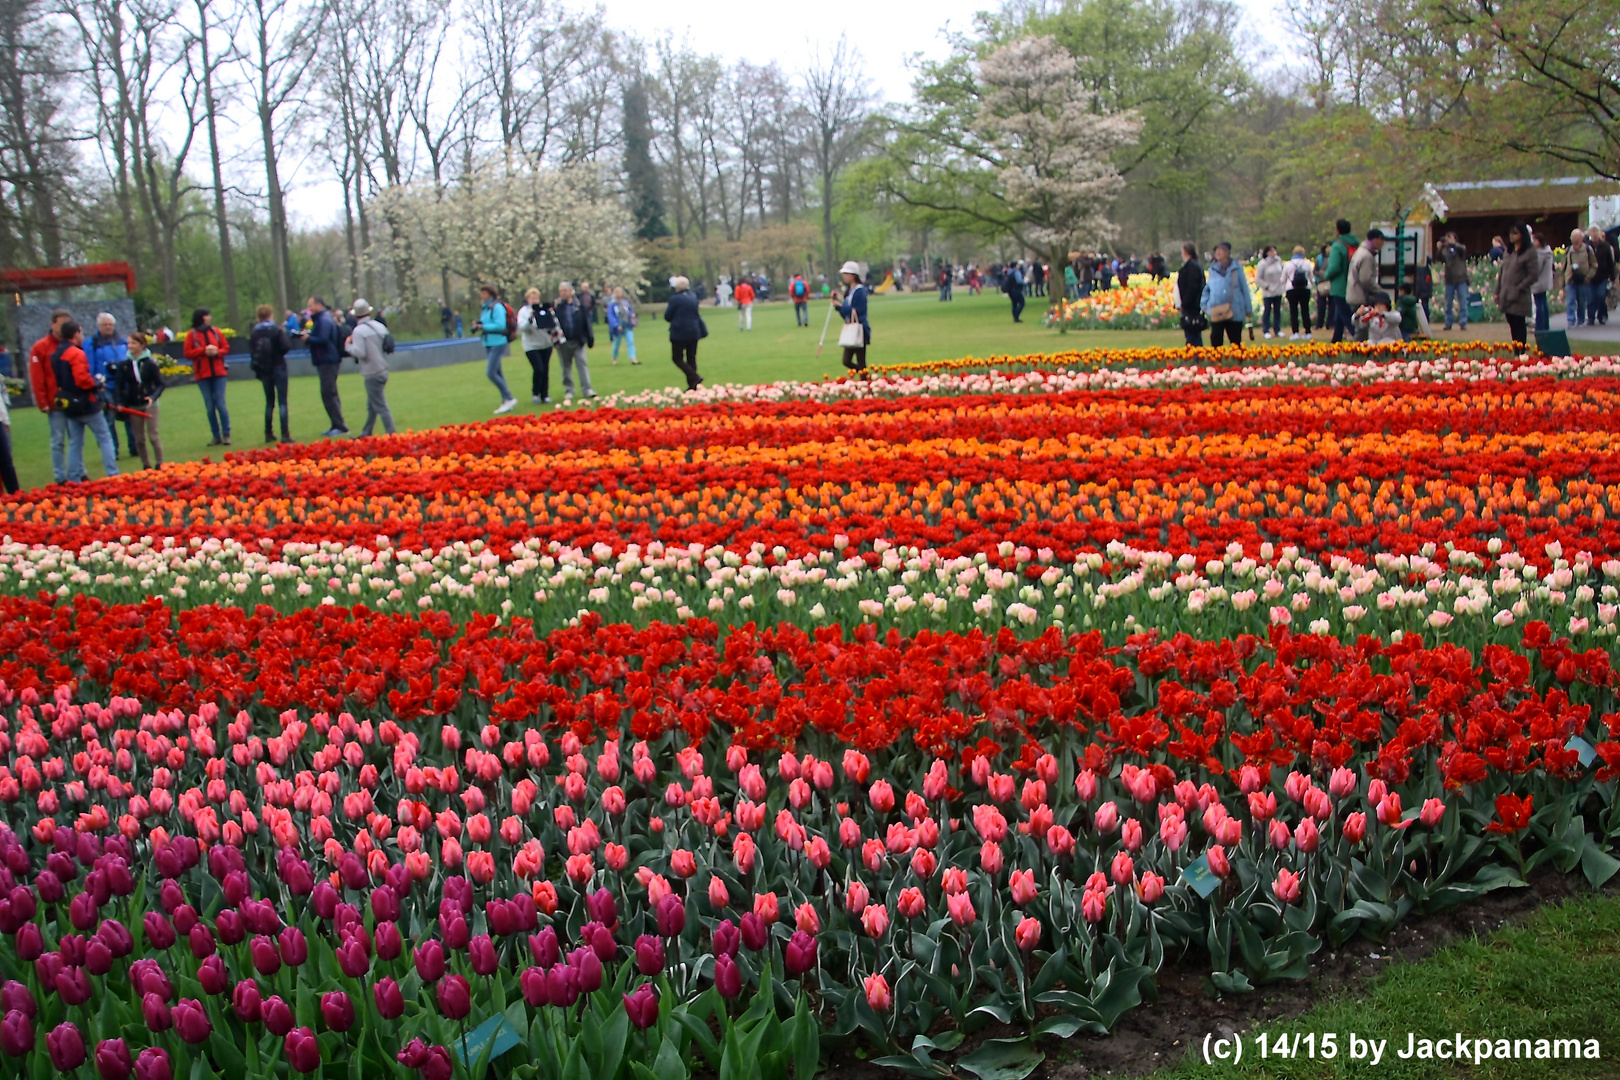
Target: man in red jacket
x: 745, y: 305
x: 78, y: 398
x: 43, y: 383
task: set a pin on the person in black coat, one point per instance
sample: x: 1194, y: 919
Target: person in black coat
x: 1190, y: 289
x: 686, y: 328
x: 268, y: 345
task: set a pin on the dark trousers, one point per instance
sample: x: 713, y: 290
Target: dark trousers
x: 540, y: 366
x: 1271, y: 314
x: 1017, y: 296
x: 1516, y: 329
x: 329, y: 396
x: 684, y: 353
x: 1231, y: 330
x: 855, y: 358
x: 1339, y: 317
x: 1195, y: 338
x: 1299, y: 309
x: 1322, y: 308
x: 275, y: 397
x: 8, y: 470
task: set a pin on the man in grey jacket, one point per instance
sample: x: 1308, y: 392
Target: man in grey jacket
x: 1363, y: 279
x: 366, y: 346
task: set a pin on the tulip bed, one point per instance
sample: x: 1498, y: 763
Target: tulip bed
x: 799, y: 719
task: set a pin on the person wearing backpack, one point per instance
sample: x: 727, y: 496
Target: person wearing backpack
x: 78, y: 397
x: 206, y: 348
x: 622, y: 323
x: 137, y: 384
x: 799, y: 293
x: 370, y: 344
x: 1013, y: 285
x: 1301, y: 280
x: 1337, y: 275
x: 327, y: 357
x: 268, y: 345
x: 497, y: 326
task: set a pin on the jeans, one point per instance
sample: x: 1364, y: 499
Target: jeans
x: 8, y: 470
x: 540, y: 369
x: 213, y: 394
x: 628, y: 336
x: 801, y: 312
x: 1195, y: 338
x: 1339, y: 317
x: 1017, y: 303
x: 1271, y: 314
x: 1299, y: 310
x: 1459, y: 293
x: 275, y: 393
x: 97, y: 423
x: 59, y: 427
x: 684, y: 353
x: 745, y: 316
x: 143, y: 429
x: 377, y: 405
x: 492, y: 370
x: 104, y: 395
x: 572, y: 354
x: 329, y: 396
x: 1577, y: 298
x: 1542, y: 323
x: 1232, y: 329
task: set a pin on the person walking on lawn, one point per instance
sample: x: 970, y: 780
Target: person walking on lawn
x: 1454, y: 257
x: 78, y: 397
x: 799, y: 291
x: 206, y: 348
x: 622, y: 321
x: 497, y: 325
x: 268, y: 346
x: 137, y: 384
x: 536, y: 322
x: 326, y: 355
x: 578, y: 338
x: 1225, y: 301
x: 368, y: 345
x: 745, y: 305
x: 686, y: 329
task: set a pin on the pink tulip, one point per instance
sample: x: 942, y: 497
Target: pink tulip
x: 1022, y: 886
x: 1355, y: 827
x: 875, y: 920
x: 1219, y: 865
x: 960, y: 908
x: 878, y: 994
x: 1151, y: 887
x: 1433, y: 810
x: 1306, y: 836
x: 856, y: 897
x: 1028, y: 933
x: 1094, y: 905
x: 1286, y: 886
x: 911, y: 903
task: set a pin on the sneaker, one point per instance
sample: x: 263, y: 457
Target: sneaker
x: 1268, y: 335
x: 535, y: 399
x: 269, y: 438
x: 506, y: 406
x: 287, y: 441
x: 545, y: 401
x: 226, y: 441
x: 214, y: 441
x: 590, y: 397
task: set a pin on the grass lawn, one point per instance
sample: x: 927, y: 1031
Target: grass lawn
x: 1556, y: 975
x: 905, y: 328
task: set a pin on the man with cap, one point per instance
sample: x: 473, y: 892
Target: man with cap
x: 366, y: 345
x: 1362, y: 281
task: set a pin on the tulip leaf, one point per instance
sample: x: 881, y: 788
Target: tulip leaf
x: 201, y: 1071
x: 1061, y: 1026
x: 995, y: 1009
x: 1231, y: 982
x: 614, y: 1035
x: 1598, y: 865
x: 669, y: 1065
x: 225, y: 1052
x: 805, y: 1041
x: 944, y: 1042
x: 1003, y: 1059
x: 913, y: 1066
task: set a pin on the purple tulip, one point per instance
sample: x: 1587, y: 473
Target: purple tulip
x: 398, y: 877
x: 294, y: 949
x: 185, y: 917
x: 388, y: 941
x: 429, y: 957
x: 201, y: 939
x: 30, y: 943
x: 159, y: 1017
x: 671, y: 916
x: 481, y: 952
x: 649, y: 954
x: 277, y: 1016
x: 385, y: 903
x: 259, y: 916
x: 337, y: 1011
x: 211, y: 974
x: 303, y: 1051
x: 455, y: 997
x: 460, y: 890
x: 73, y: 986
x: 754, y: 932
x: 352, y: 959
x: 15, y: 995
x: 603, y: 908
x: 171, y: 896
x: 800, y: 954
x: 153, y: 1064
x: 727, y: 976
x: 236, y: 887
x: 456, y: 933
x: 352, y: 871
x: 231, y: 929
x: 72, y: 947
x: 589, y: 966
x: 168, y: 862
x: 149, y: 978
x: 16, y: 1034
x: 524, y: 912
x: 247, y: 1002
x: 533, y: 982
x: 600, y: 939
x: 98, y: 959
x: 545, y: 948
x: 562, y: 985
x: 46, y: 968
x: 642, y: 1006
x: 119, y: 878
x: 324, y: 900
x: 50, y: 887
x: 82, y: 911
x: 112, y: 1060
x: 500, y: 919
x: 64, y: 868
x: 191, y: 1021
x: 346, y: 918
x: 390, y: 1002
x: 159, y: 930
x: 296, y: 875
x: 726, y: 938
x: 117, y: 938
x: 23, y: 904
x: 265, y: 958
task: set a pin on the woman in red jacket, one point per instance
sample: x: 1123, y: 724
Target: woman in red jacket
x: 206, y: 348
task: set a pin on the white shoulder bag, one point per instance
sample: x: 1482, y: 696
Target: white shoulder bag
x: 853, y: 334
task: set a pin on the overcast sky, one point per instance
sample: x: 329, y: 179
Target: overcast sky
x: 886, y: 35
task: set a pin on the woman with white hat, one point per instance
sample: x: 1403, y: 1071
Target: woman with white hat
x: 853, y: 310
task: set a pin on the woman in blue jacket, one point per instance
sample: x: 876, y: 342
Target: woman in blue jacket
x: 853, y: 309
x: 1226, y: 302
x: 686, y: 328
x: 492, y: 330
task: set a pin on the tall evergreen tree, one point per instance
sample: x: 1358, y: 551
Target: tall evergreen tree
x: 640, y: 174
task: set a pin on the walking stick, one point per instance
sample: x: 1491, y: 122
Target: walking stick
x: 125, y: 409
x: 825, y: 323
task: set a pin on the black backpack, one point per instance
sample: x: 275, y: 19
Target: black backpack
x: 1301, y: 283
x: 262, y: 354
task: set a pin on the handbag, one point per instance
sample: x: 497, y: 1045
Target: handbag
x: 852, y: 336
x: 703, y: 328
x: 1220, y: 313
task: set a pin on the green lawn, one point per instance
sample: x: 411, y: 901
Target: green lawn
x: 911, y: 327
x: 1554, y: 976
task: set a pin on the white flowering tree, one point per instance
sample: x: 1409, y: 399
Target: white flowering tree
x: 523, y: 224
x: 1008, y: 142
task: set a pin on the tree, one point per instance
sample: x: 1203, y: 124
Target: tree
x: 36, y: 136
x: 516, y: 223
x: 640, y: 174
x: 1013, y: 145
x: 209, y: 63
x: 278, y: 59
x: 837, y: 106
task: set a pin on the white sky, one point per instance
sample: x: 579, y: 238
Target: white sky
x: 887, y: 36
